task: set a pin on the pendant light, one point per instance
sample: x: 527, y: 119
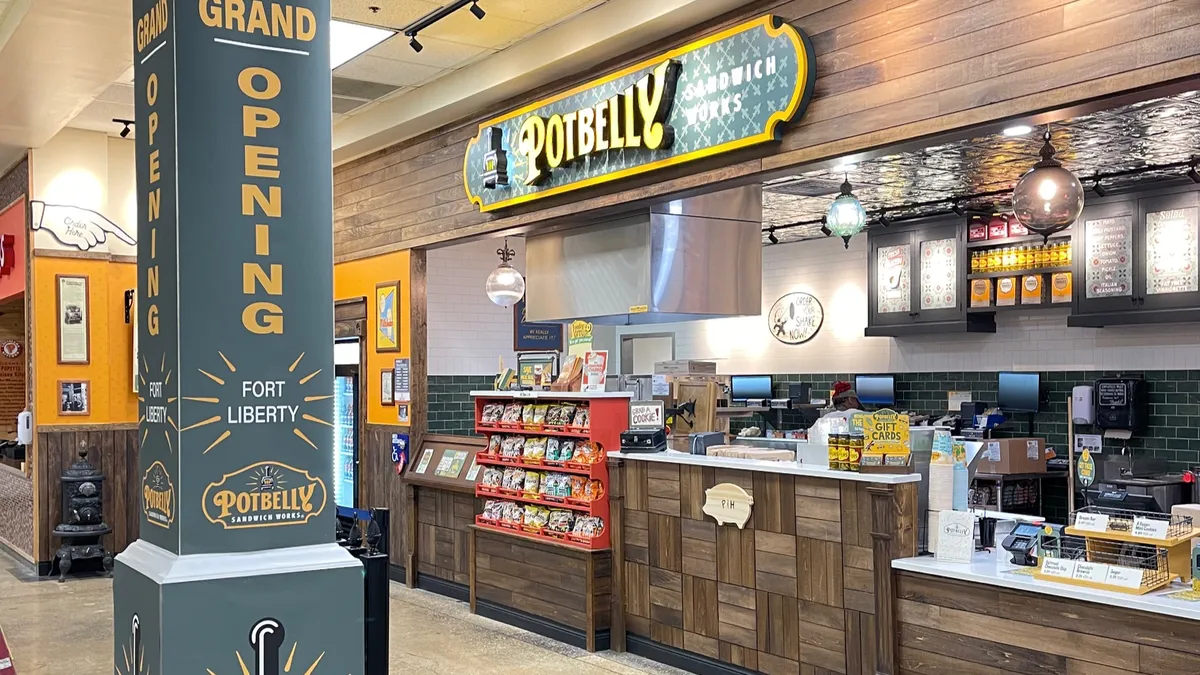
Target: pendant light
x: 1048, y: 198
x: 846, y: 216
x: 505, y: 285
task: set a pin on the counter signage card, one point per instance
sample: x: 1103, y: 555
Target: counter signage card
x: 955, y: 536
x: 595, y: 370
x: 659, y: 386
x: 1091, y: 522
x: 473, y: 472
x: 1089, y: 571
x: 718, y: 94
x: 647, y: 415
x: 1058, y: 567
x: 1125, y: 577
x: 1093, y: 443
x: 1150, y: 528
x: 444, y: 464
x: 887, y: 432
x: 955, y: 399
x: 426, y: 457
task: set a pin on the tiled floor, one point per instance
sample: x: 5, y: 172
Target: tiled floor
x: 66, y: 629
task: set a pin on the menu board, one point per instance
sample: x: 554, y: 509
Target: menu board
x: 938, y: 284
x: 1108, y: 265
x: 1171, y: 265
x: 893, y: 283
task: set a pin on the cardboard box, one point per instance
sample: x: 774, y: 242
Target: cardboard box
x: 1060, y: 287
x: 1032, y: 289
x: 1013, y: 455
x: 1006, y: 291
x: 981, y: 293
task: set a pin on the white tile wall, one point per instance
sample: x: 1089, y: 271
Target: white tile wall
x: 467, y: 332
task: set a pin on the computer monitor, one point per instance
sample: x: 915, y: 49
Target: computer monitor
x: 875, y: 389
x: 1018, y: 392
x: 744, y: 387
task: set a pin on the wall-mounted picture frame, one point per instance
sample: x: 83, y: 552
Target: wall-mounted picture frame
x: 74, y: 319
x: 387, y: 313
x: 74, y: 397
x: 386, y: 378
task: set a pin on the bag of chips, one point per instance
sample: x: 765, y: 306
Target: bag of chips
x: 493, y: 509
x: 512, y: 414
x: 552, y: 449
x: 588, y: 526
x: 535, y: 448
x: 493, y: 477
x: 527, y: 414
x: 582, y: 417
x: 539, y: 414
x: 536, y: 516
x: 533, y: 482
x: 513, y: 513
x: 566, y: 451
x: 494, y: 443
x: 560, y: 520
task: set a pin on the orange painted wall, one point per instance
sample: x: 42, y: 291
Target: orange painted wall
x: 12, y: 221
x: 358, y: 278
x: 110, y: 338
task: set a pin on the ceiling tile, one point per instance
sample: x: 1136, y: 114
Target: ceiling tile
x: 537, y: 12
x: 392, y: 13
x: 436, y: 53
x: 369, y: 91
x: 386, y: 71
x: 117, y: 93
x: 493, y: 32
x: 345, y: 105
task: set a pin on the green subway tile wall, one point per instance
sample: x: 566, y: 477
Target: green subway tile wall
x: 451, y: 410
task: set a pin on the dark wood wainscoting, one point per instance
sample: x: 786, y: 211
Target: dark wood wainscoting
x: 381, y: 487
x: 444, y: 520
x: 113, y: 449
x: 974, y: 629
x: 798, y: 590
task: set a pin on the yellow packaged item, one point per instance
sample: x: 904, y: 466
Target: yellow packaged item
x: 981, y: 293
x: 1060, y: 287
x: 1006, y: 292
x: 1031, y: 289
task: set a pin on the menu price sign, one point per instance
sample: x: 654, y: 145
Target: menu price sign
x: 1149, y: 528
x: 1091, y: 522
x: 1058, y: 567
x: 400, y: 387
x: 1125, y: 577
x: 426, y: 457
x: 1088, y: 571
x: 1171, y: 259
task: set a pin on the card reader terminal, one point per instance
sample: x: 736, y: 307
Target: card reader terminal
x: 1022, y: 544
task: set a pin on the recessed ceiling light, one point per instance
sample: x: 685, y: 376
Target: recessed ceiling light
x: 1018, y: 130
x: 348, y: 40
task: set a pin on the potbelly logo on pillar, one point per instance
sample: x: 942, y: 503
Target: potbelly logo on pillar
x: 266, y: 494
x: 158, y: 496
x: 725, y: 92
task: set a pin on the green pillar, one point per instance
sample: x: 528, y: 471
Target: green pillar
x: 236, y: 571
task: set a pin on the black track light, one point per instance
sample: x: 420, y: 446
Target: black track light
x: 125, y: 130
x: 825, y: 228
x: 958, y: 209
x: 1098, y: 188
x: 771, y: 236
x: 478, y: 11
x: 416, y: 46
x: 884, y: 221
x: 1193, y: 174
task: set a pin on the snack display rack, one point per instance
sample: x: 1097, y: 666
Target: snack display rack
x: 559, y: 498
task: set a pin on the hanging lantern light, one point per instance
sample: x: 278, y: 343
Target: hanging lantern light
x: 1048, y: 198
x: 505, y: 285
x: 846, y: 216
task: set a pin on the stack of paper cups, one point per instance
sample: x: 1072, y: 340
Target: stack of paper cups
x: 941, y: 498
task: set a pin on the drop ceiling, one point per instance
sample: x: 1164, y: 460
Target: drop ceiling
x: 1149, y: 133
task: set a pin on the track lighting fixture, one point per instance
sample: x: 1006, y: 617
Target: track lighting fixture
x: 412, y: 42
x: 478, y: 11
x: 439, y: 13
x: 825, y: 227
x: 884, y: 221
x: 1192, y: 173
x: 125, y: 131
x: 771, y: 236
x: 958, y: 209
x: 1098, y: 188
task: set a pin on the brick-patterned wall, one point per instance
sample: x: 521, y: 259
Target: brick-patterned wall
x: 16, y: 510
x: 451, y: 410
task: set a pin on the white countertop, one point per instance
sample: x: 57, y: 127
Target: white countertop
x: 555, y: 395
x: 989, y: 568
x: 768, y: 467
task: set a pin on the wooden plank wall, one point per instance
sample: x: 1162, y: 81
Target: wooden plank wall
x: 112, y: 450
x: 546, y: 581
x: 888, y: 71
x: 444, y: 520
x: 973, y: 629
x: 792, y: 592
x: 381, y: 487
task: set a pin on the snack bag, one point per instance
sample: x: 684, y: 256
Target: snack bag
x: 560, y: 520
x: 594, y: 490
x: 566, y: 451
x: 513, y: 513
x: 493, y: 509
x: 586, y: 452
x: 539, y: 414
x: 494, y: 443
x: 582, y: 417
x: 533, y: 482
x: 535, y: 448
x: 493, y: 477
x: 536, y: 516
x: 512, y: 413
x: 508, y: 446
x: 579, y: 487
x: 527, y: 414
x: 552, y: 448
x: 566, y: 414
x: 588, y: 526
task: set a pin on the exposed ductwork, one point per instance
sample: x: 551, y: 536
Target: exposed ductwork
x: 689, y: 259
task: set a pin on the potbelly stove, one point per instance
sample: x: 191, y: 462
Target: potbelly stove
x: 83, y: 520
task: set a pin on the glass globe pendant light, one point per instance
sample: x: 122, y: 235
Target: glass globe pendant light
x: 505, y: 285
x: 846, y: 216
x: 1048, y: 198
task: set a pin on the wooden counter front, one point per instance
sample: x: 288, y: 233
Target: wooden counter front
x: 802, y: 589
x: 969, y: 628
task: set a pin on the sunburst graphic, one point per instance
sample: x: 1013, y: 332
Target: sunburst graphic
x: 265, y: 479
x: 219, y: 378
x: 133, y: 653
x: 148, y: 380
x: 266, y: 652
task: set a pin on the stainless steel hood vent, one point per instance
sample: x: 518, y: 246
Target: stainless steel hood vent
x: 690, y: 259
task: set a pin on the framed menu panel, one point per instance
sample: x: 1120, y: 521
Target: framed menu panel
x: 939, y: 287
x: 893, y: 272
x: 1108, y: 257
x: 74, y: 319
x: 447, y: 462
x: 1171, y: 252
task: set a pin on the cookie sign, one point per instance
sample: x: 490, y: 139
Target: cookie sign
x: 728, y: 503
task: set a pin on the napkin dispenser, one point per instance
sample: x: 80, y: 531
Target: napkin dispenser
x: 644, y: 440
x: 699, y: 443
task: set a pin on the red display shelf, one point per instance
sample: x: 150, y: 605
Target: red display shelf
x: 592, y: 508
x: 597, y: 471
x: 554, y: 539
x: 583, y: 433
